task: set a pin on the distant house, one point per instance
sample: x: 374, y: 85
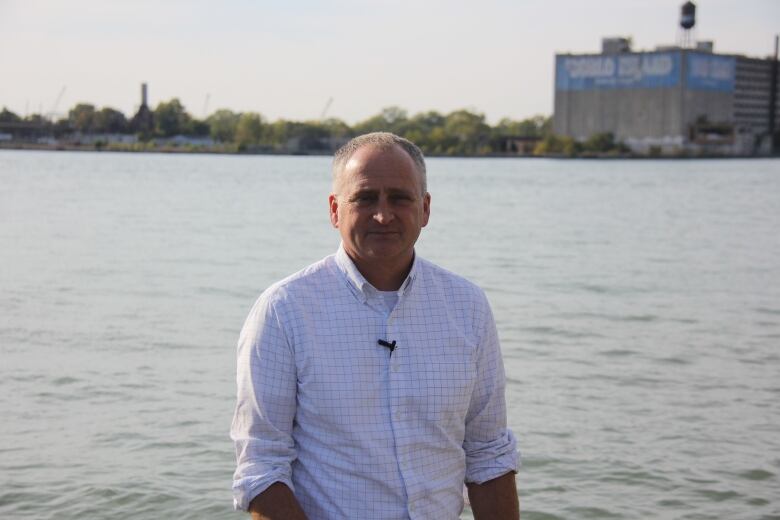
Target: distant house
x: 520, y: 145
x: 93, y: 139
x: 314, y: 144
x: 185, y: 140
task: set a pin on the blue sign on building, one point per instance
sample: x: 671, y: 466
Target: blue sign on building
x: 710, y: 72
x: 646, y: 70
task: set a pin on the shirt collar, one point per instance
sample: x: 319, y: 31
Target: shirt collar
x: 362, y: 288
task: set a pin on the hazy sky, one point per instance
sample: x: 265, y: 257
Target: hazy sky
x: 285, y: 59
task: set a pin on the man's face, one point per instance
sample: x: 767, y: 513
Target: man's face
x: 378, y: 205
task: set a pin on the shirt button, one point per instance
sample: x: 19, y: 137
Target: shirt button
x: 397, y: 415
x: 396, y: 367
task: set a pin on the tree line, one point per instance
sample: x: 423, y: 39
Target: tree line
x: 461, y: 132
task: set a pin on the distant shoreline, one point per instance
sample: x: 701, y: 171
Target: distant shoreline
x: 317, y: 153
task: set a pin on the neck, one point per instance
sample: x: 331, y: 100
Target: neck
x: 387, y: 275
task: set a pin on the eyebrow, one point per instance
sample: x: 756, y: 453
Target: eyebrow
x: 390, y: 192
x: 363, y: 192
x: 398, y: 191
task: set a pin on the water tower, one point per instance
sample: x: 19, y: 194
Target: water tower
x: 686, y: 37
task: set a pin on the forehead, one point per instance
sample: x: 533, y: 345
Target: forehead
x: 373, y: 166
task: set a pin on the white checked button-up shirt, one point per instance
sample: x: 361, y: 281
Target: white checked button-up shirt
x: 359, y: 432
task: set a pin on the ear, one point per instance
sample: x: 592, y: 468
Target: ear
x: 333, y: 206
x: 426, y: 209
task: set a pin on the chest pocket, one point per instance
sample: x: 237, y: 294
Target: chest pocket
x: 441, y: 376
x: 341, y: 379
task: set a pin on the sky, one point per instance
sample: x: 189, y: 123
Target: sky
x: 287, y: 59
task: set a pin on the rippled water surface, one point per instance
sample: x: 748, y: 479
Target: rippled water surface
x: 638, y: 305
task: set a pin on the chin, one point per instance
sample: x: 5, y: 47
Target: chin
x: 390, y: 251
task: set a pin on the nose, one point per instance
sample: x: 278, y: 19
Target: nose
x: 383, y: 213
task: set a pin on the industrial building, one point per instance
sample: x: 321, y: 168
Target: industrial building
x: 682, y: 99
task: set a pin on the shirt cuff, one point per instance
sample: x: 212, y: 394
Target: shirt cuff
x: 247, y: 488
x: 488, y: 460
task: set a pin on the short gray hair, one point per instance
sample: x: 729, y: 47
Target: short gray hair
x: 384, y: 141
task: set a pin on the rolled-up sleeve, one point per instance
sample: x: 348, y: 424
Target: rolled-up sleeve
x: 491, y: 448
x: 265, y: 407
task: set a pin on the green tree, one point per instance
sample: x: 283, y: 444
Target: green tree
x: 222, y: 124
x: 469, y: 131
x: 426, y: 130
x: 111, y: 121
x: 439, y: 141
x: 390, y: 119
x: 278, y: 133
x: 82, y: 117
x: 536, y: 126
x: 426, y: 121
x: 6, y: 116
x: 312, y: 135
x: 336, y: 128
x: 249, y: 130
x: 600, y: 143
x: 295, y: 136
x: 394, y: 115
x: 284, y: 135
x: 544, y: 123
x: 198, y: 128
x: 605, y: 143
x: 557, y: 145
x: 170, y: 118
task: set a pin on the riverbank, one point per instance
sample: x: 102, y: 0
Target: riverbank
x: 231, y: 149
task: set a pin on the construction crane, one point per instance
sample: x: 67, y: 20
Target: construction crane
x: 206, y: 106
x: 325, y: 110
x: 53, y: 112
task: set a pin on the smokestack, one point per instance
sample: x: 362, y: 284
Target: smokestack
x: 143, y: 94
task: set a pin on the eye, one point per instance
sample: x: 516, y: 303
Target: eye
x: 400, y: 199
x: 364, y: 198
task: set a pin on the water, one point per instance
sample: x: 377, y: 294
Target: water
x: 638, y: 305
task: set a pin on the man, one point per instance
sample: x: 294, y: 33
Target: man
x: 370, y: 384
